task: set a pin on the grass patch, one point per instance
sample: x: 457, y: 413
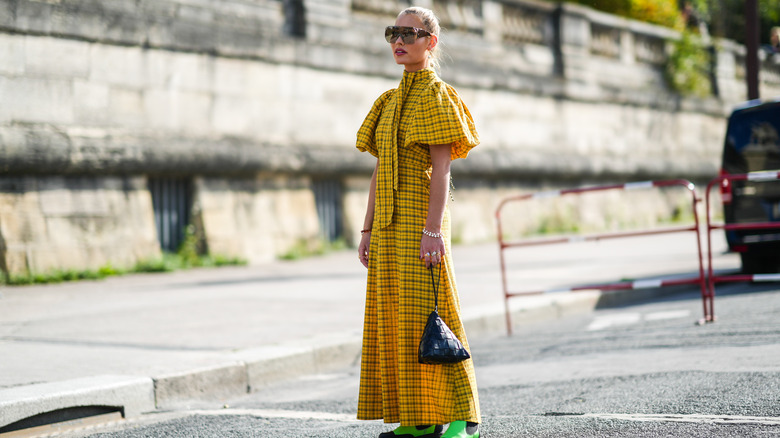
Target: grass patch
x: 187, y: 257
x: 168, y: 262
x: 60, y: 275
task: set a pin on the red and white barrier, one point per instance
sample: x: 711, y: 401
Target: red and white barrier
x: 630, y: 285
x: 726, y: 180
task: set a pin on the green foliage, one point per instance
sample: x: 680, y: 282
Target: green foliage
x: 687, y: 67
x: 661, y: 12
x: 166, y: 263
x: 617, y: 7
x: 187, y: 257
x: 188, y: 250
x: 724, y: 18
x: 727, y: 18
x: 60, y: 275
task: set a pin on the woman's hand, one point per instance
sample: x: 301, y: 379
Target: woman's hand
x: 431, y: 250
x: 364, y: 248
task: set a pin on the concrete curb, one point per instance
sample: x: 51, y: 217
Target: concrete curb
x: 134, y: 394
x: 251, y: 370
x: 256, y: 368
x: 205, y: 383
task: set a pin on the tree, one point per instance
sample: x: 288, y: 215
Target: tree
x: 724, y: 18
x: 662, y: 12
x: 727, y: 17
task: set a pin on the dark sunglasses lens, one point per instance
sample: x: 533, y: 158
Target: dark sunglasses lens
x: 408, y: 35
x: 389, y: 32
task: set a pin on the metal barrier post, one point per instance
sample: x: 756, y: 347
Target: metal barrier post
x: 503, y: 245
x: 712, y: 278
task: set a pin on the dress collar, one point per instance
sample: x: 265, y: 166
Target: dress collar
x: 428, y: 71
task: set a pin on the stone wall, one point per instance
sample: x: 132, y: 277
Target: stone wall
x: 229, y: 94
x: 256, y: 218
x: 65, y: 222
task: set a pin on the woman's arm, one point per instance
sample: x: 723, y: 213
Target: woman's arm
x: 365, y: 237
x: 437, y: 202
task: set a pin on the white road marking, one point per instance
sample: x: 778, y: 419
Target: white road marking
x: 279, y: 413
x: 646, y: 284
x: 602, y: 322
x: 669, y: 314
x: 693, y: 418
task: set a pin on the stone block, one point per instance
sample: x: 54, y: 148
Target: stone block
x: 33, y: 16
x: 16, y: 260
x: 88, y: 196
x: 59, y: 223
x: 194, y: 112
x: 256, y: 219
x: 118, y: 20
x: 91, y: 102
x: 36, y: 100
x: 261, y: 80
x: 231, y: 76
x: 7, y: 14
x: 126, y: 107
x: 56, y: 57
x: 12, y: 54
x: 178, y: 111
x: 46, y: 257
x: 157, y: 69
x: 200, y: 36
x: 161, y: 108
x: 191, y: 72
x: 234, y: 115
x: 117, y: 66
x: 22, y: 223
x: 62, y: 232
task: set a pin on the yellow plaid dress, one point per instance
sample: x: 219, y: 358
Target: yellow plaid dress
x: 422, y: 111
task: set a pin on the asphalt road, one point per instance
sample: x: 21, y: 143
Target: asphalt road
x: 644, y: 370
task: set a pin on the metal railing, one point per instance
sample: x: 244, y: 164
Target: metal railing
x: 622, y: 285
x: 712, y: 278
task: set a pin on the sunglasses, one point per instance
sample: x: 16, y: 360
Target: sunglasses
x: 408, y: 34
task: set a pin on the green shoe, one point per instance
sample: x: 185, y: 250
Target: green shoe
x: 414, y: 432
x: 462, y: 429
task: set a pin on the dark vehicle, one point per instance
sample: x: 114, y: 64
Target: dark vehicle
x: 753, y: 145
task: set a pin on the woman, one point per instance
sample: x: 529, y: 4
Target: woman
x: 414, y: 131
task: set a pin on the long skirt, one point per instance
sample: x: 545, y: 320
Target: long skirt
x: 399, y: 297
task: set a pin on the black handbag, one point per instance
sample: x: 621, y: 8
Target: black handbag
x: 438, y: 344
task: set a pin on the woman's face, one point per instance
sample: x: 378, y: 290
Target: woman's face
x: 413, y: 56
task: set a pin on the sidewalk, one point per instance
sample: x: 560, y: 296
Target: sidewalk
x: 144, y: 342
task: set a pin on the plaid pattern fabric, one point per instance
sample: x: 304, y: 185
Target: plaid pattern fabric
x: 399, y: 296
x: 423, y: 110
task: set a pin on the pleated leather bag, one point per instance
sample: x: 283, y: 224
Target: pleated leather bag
x: 438, y: 344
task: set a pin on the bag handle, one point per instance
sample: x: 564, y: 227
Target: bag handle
x: 435, y: 292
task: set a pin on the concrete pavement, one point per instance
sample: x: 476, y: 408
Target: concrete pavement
x: 144, y: 342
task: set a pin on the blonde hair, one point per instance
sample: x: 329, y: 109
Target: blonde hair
x: 431, y: 24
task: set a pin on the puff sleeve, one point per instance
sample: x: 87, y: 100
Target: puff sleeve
x: 443, y: 118
x: 366, y: 135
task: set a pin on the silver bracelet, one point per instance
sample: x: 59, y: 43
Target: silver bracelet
x: 429, y: 234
